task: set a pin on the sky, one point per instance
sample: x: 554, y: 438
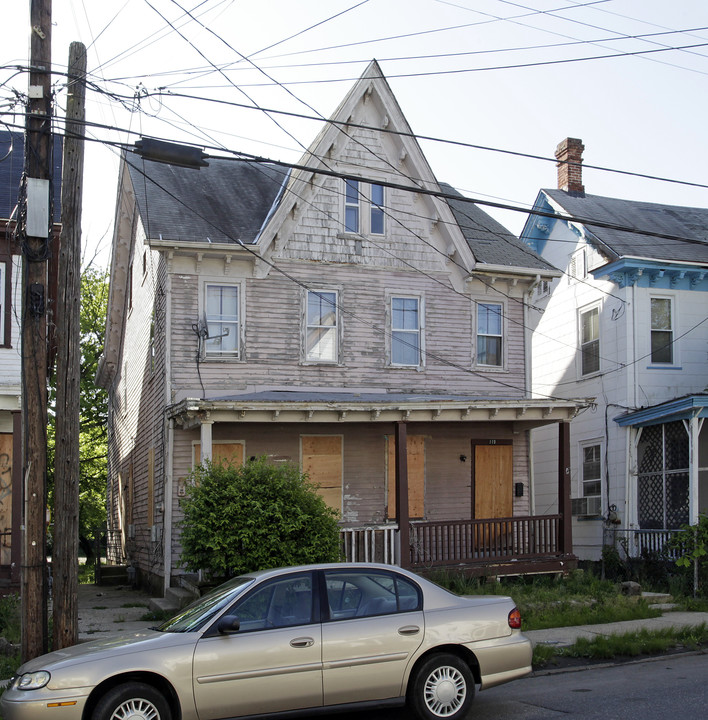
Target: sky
x: 510, y: 78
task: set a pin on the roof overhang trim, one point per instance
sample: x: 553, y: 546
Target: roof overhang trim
x: 681, y: 409
x: 190, y: 413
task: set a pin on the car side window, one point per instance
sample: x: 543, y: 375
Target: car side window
x: 368, y: 594
x: 280, y: 603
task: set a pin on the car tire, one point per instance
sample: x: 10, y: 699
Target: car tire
x: 442, y: 688
x: 132, y: 701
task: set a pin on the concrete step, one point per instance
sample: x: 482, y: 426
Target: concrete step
x: 659, y: 601
x: 163, y: 605
x: 180, y: 596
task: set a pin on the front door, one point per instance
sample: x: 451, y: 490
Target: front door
x: 492, y: 481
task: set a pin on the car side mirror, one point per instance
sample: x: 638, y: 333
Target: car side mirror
x: 228, y: 625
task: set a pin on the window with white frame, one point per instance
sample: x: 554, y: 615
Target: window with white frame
x: 591, y: 470
x: 3, y: 302
x: 351, y: 206
x: 222, y: 316
x: 406, y: 330
x: 376, y: 214
x: 490, y: 334
x: 590, y: 341
x: 662, y: 334
x: 321, y: 333
x: 577, y: 266
x: 364, y: 208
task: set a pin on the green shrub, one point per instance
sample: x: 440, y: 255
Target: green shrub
x: 255, y: 516
x: 691, y: 546
x: 10, y: 624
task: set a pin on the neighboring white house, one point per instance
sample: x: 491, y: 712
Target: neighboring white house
x: 627, y: 324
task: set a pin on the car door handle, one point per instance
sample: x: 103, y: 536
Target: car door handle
x: 409, y: 630
x: 302, y: 642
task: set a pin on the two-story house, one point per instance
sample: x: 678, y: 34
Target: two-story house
x: 627, y: 324
x: 323, y: 314
x: 11, y: 171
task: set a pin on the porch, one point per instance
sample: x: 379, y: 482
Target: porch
x: 502, y: 546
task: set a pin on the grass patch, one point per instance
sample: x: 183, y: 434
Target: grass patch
x: 134, y: 605
x: 626, y: 645
x: 157, y: 615
x: 578, y: 598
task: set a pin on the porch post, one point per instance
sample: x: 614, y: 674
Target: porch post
x: 205, y: 439
x: 565, y: 540
x: 695, y: 425
x: 402, y: 514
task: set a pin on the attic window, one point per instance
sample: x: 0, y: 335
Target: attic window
x: 364, y: 208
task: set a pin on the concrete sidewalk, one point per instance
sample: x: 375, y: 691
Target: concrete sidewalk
x: 108, y: 610
x: 563, y: 636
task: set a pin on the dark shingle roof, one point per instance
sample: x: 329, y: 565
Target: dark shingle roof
x: 11, y: 166
x: 682, y: 222
x: 225, y: 202
x: 488, y: 239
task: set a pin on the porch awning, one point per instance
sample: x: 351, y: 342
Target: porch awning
x: 297, y: 406
x: 683, y: 408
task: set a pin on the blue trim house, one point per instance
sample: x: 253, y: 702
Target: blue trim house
x: 627, y: 324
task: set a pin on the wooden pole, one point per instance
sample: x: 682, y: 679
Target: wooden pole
x: 402, y: 509
x: 66, y: 458
x: 565, y: 541
x: 36, y: 243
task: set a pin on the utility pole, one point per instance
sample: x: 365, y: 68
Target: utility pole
x: 36, y: 234
x: 66, y: 453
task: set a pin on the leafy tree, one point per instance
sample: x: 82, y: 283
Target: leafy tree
x: 691, y: 546
x: 93, y: 444
x: 255, y: 516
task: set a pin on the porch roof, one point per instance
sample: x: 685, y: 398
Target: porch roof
x: 297, y: 406
x: 682, y: 408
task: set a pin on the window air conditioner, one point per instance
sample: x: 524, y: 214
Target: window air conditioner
x: 586, y: 506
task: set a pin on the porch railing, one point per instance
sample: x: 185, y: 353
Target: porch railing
x: 637, y: 542
x: 457, y: 541
x: 475, y: 541
x: 370, y: 544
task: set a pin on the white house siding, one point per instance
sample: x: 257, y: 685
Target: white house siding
x: 364, y: 492
x: 627, y: 379
x: 10, y: 358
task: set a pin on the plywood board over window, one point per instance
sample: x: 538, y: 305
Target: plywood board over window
x: 230, y: 452
x: 416, y: 475
x: 322, y: 462
x: 6, y: 440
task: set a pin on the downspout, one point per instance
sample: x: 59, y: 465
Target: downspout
x: 168, y: 463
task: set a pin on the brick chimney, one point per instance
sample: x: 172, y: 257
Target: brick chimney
x: 569, y: 154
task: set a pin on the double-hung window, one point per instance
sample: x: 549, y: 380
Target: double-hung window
x: 591, y: 459
x: 662, y: 334
x: 405, y: 331
x: 489, y: 334
x: 351, y: 206
x: 322, y: 326
x: 590, y: 341
x: 364, y: 208
x: 222, y: 316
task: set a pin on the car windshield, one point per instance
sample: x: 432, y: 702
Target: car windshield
x: 200, y: 612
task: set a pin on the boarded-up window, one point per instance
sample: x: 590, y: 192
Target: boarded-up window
x: 322, y: 462
x: 229, y: 452
x: 416, y: 475
x: 150, y: 488
x: 5, y: 496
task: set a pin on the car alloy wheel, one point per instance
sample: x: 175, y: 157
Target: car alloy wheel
x: 132, y: 701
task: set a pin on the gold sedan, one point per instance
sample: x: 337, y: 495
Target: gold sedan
x: 315, y: 638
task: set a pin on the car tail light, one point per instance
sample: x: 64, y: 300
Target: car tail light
x: 515, y: 619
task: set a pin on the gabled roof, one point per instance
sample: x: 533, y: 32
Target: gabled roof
x: 12, y: 163
x: 682, y: 222
x: 226, y: 202
x: 489, y: 240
